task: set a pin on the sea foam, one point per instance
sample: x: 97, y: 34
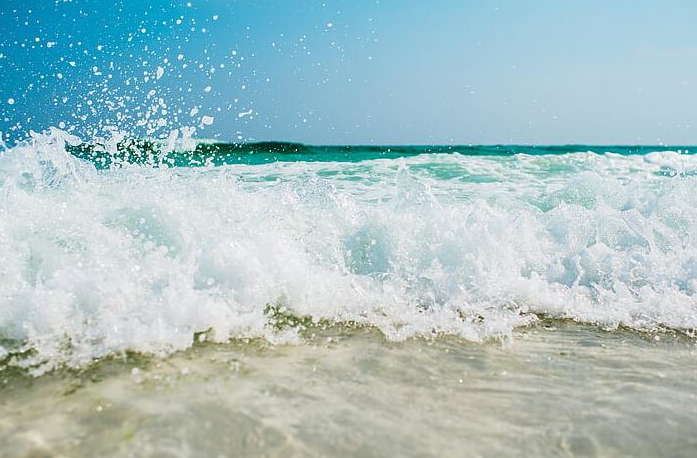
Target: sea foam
x: 96, y: 262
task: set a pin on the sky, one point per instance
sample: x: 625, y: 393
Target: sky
x: 353, y: 72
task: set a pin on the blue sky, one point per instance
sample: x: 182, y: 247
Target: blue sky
x: 347, y: 72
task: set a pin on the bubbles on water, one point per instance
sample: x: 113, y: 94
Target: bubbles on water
x: 143, y: 258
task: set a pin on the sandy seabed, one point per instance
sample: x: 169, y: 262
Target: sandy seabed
x: 555, y: 389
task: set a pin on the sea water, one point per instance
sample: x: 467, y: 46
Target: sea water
x: 206, y: 284
x: 555, y: 389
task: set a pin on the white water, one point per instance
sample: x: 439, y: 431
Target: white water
x: 96, y: 262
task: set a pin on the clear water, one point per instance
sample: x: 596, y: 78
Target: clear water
x: 138, y: 252
x: 557, y: 390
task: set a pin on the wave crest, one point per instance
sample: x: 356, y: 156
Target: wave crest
x: 94, y: 262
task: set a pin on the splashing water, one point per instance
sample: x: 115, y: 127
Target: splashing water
x: 95, y: 261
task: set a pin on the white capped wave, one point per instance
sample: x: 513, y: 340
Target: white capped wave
x: 136, y: 258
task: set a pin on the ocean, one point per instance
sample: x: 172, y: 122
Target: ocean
x: 195, y: 298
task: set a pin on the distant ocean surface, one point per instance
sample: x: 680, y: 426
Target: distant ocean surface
x: 136, y: 247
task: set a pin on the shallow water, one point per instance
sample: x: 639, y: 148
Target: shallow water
x: 557, y: 389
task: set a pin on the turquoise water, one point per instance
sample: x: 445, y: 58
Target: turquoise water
x: 215, y: 153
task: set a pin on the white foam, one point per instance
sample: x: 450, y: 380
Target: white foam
x: 93, y: 263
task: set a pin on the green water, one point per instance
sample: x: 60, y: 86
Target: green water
x: 141, y: 152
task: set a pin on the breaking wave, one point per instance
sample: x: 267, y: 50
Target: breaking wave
x: 96, y: 261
